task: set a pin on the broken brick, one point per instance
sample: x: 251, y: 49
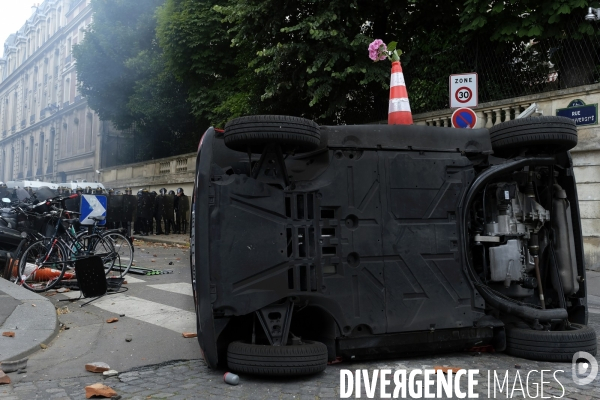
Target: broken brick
x: 4, y: 379
x: 111, y: 320
x: 97, y: 367
x: 98, y: 389
x: 8, y: 334
x: 446, y: 369
x: 188, y: 335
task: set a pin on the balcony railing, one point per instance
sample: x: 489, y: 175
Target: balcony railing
x: 13, y: 129
x: 4, y: 132
x: 23, y: 123
x: 32, y: 119
x: 43, y: 113
x: 66, y: 103
x: 67, y: 60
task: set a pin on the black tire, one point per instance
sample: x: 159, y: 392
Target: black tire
x: 550, y: 135
x: 49, y: 258
x: 550, y: 345
x: 293, y: 134
x: 303, y: 359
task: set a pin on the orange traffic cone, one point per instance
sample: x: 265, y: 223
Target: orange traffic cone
x: 399, y: 108
x: 46, y: 274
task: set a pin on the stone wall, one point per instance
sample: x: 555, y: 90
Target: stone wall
x: 170, y: 173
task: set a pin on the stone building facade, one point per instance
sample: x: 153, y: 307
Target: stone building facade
x: 47, y: 130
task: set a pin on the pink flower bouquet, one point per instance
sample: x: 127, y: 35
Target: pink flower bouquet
x: 379, y: 51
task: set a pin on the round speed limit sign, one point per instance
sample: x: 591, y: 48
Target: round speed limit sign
x: 463, y: 94
x: 463, y: 90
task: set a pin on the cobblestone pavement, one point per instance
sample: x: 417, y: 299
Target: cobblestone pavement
x: 191, y: 379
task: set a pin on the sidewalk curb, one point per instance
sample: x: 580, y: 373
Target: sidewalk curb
x: 161, y: 239
x: 34, y: 322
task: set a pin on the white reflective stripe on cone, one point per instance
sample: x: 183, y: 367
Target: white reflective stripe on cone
x: 397, y: 79
x: 399, y: 105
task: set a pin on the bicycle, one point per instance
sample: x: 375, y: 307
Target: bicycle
x: 47, y: 260
x: 120, y: 244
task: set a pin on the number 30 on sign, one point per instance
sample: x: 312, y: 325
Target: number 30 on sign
x: 463, y: 90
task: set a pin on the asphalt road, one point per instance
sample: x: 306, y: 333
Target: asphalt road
x: 157, y: 310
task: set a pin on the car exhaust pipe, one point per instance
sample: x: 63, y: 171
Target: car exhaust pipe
x: 522, y: 311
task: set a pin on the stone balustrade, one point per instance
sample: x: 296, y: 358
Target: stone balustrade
x: 171, y: 173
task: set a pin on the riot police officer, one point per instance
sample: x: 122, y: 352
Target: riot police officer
x: 171, y: 211
x: 178, y: 227
x: 140, y: 226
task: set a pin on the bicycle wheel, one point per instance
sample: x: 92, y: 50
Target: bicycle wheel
x: 124, y: 249
x: 42, y: 265
x: 96, y: 245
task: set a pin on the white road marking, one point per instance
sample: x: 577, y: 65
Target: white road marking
x: 181, y: 288
x: 131, y: 279
x: 168, y: 317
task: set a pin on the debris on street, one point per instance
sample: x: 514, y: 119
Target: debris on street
x: 446, y: 369
x: 4, y: 379
x: 97, y: 366
x: 110, y: 372
x: 99, y: 389
x: 8, y: 334
x: 230, y: 378
x: 63, y: 310
x: 188, y: 335
x: 111, y: 320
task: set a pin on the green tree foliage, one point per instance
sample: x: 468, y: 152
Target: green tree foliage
x: 515, y: 20
x: 121, y: 70
x: 309, y: 58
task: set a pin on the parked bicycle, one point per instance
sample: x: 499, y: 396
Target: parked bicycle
x: 48, y: 260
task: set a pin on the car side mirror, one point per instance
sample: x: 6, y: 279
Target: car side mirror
x: 5, y: 200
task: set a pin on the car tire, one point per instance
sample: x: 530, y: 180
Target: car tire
x: 301, y: 359
x: 550, y: 134
x: 293, y: 134
x: 550, y: 345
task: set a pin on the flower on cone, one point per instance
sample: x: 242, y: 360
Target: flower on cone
x: 399, y: 112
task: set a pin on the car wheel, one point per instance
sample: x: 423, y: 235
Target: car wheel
x: 254, y: 132
x: 300, y: 359
x: 550, y: 345
x: 540, y: 134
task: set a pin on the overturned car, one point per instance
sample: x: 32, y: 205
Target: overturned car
x: 314, y: 243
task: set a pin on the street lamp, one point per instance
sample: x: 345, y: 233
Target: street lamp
x: 593, y: 14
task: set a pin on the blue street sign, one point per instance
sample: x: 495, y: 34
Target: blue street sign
x: 464, y: 118
x: 581, y: 113
x: 92, y: 206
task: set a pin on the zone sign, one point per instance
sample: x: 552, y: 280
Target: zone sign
x: 463, y: 90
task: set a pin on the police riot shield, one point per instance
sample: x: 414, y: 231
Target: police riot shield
x: 146, y: 205
x: 73, y: 204
x: 159, y: 206
x: 6, y: 193
x: 168, y: 210
x: 129, y: 207
x: 114, y: 212
x: 184, y: 212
